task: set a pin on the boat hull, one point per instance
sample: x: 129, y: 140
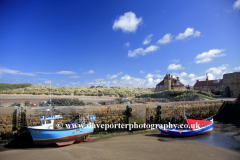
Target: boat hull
x: 59, y: 136
x: 186, y: 132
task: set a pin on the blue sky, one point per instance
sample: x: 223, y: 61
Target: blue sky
x: 117, y: 43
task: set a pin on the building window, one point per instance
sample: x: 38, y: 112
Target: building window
x: 168, y: 86
x: 181, y: 86
x: 165, y: 86
x: 161, y: 86
x: 165, y: 80
x: 169, y: 81
x: 216, y: 86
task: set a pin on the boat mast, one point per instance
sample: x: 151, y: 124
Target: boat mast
x: 50, y: 98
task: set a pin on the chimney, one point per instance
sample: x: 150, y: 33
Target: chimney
x: 197, y: 80
x: 171, y: 76
x: 178, y: 78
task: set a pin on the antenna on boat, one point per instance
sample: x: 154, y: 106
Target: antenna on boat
x: 50, y: 98
x: 184, y: 114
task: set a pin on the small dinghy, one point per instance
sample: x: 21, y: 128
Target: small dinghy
x: 189, y: 127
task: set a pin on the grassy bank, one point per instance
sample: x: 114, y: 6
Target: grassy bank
x: 80, y: 91
x: 178, y: 94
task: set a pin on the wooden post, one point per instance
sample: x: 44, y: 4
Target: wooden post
x: 17, y: 118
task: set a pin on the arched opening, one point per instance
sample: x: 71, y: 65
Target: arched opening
x: 227, y: 92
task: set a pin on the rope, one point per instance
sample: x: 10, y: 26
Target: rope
x: 221, y: 108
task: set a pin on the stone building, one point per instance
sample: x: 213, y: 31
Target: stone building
x: 169, y: 83
x: 215, y: 86
x: 231, y: 82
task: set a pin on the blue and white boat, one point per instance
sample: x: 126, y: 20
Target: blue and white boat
x: 189, y: 127
x: 67, y: 134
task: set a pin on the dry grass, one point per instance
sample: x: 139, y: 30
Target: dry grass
x: 40, y: 90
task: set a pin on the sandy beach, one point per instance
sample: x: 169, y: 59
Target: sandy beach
x: 136, y: 146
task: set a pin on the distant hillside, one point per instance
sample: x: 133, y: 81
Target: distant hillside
x: 39, y: 90
x: 7, y: 86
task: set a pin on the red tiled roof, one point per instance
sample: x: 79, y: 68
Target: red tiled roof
x: 173, y: 80
x: 167, y: 76
x: 92, y: 87
x: 210, y: 83
x: 161, y: 83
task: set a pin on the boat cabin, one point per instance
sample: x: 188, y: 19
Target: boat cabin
x: 47, y: 122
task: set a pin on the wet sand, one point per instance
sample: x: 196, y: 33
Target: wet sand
x: 136, y: 146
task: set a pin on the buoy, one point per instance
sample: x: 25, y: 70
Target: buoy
x: 89, y: 137
x: 165, y: 130
x: 180, y: 132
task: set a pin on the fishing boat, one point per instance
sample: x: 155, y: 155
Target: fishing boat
x: 189, y: 127
x: 47, y: 134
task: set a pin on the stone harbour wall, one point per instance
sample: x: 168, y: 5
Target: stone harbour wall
x: 232, y: 80
x: 174, y: 112
x: 14, y: 119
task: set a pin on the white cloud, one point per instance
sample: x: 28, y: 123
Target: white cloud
x: 47, y: 82
x: 158, y: 76
x: 60, y: 72
x: 236, y: 4
x: 175, y: 61
x: 136, y: 52
x: 218, y: 70
x: 208, y: 56
x: 14, y: 72
x: 9, y: 71
x: 74, y: 77
x: 89, y: 72
x: 127, y: 22
x: 98, y: 82
x: 191, y: 75
x: 141, y: 51
x: 197, y: 34
x: 183, y: 74
x: 27, y: 74
x: 157, y: 71
x: 188, y: 32
x: 175, y: 67
x: 165, y: 39
x: 66, y: 72
x: 147, y: 39
x: 127, y: 81
x: 114, y: 76
x: 127, y: 44
x: 151, y: 48
x: 141, y: 71
x: 237, y: 68
x: 149, y: 75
